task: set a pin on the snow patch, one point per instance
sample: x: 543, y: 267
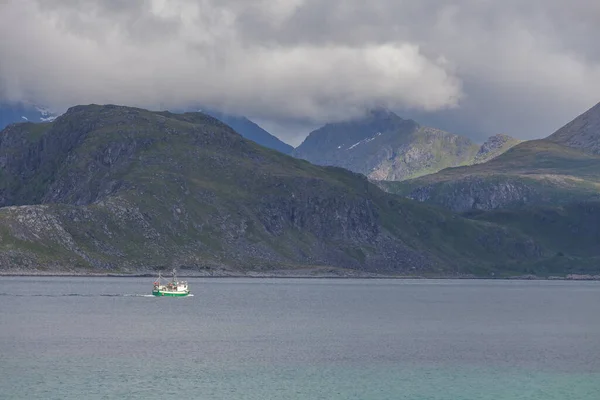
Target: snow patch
x: 364, y: 141
x: 339, y: 147
x: 45, y: 114
x: 44, y: 111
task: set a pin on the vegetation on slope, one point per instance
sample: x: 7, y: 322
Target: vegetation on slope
x: 563, y: 168
x: 533, y: 172
x: 117, y: 188
x: 383, y: 146
x: 570, y: 234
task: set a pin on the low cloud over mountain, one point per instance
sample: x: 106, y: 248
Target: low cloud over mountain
x: 476, y: 67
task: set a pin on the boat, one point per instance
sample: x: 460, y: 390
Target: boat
x: 174, y: 288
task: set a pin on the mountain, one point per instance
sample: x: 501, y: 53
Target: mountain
x: 21, y: 112
x: 493, y: 147
x: 563, y: 168
x: 383, y: 146
x: 252, y: 131
x: 119, y: 189
x: 582, y: 133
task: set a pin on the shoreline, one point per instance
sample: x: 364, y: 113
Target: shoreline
x: 570, y: 277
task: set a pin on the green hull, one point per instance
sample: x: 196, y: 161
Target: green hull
x: 169, y: 294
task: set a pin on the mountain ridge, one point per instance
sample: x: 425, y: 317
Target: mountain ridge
x: 251, y: 130
x: 15, y: 113
x: 383, y: 146
x: 559, y: 169
x: 120, y: 189
x: 114, y: 189
x: 582, y: 133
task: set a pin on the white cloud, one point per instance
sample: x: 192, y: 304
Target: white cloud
x: 64, y: 53
x: 472, y: 66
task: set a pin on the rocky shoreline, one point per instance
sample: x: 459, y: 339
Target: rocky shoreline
x: 299, y: 274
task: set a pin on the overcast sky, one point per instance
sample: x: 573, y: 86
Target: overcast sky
x: 474, y: 67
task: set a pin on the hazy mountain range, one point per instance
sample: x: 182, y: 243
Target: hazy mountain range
x: 22, y: 112
x: 251, y: 130
x: 381, y: 145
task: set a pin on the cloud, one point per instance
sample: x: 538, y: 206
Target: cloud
x: 170, y: 54
x: 476, y: 67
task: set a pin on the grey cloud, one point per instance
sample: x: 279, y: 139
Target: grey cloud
x: 477, y: 67
x: 109, y: 52
x: 526, y: 67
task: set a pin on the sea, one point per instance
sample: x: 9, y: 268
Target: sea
x: 251, y: 338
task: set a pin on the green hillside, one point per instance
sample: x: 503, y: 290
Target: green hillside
x: 563, y: 168
x: 534, y: 172
x: 570, y: 233
x: 109, y: 188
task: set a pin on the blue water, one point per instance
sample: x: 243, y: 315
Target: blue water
x: 105, y: 338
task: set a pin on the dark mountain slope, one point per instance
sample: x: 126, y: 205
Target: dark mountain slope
x: 573, y: 231
x: 118, y: 188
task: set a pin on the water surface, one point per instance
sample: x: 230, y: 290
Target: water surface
x: 88, y: 338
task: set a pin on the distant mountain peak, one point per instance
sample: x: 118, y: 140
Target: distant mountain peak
x: 11, y: 113
x: 494, y: 146
x: 381, y: 112
x: 248, y: 129
x: 581, y: 133
x: 351, y: 133
x: 383, y: 146
x: 251, y: 130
